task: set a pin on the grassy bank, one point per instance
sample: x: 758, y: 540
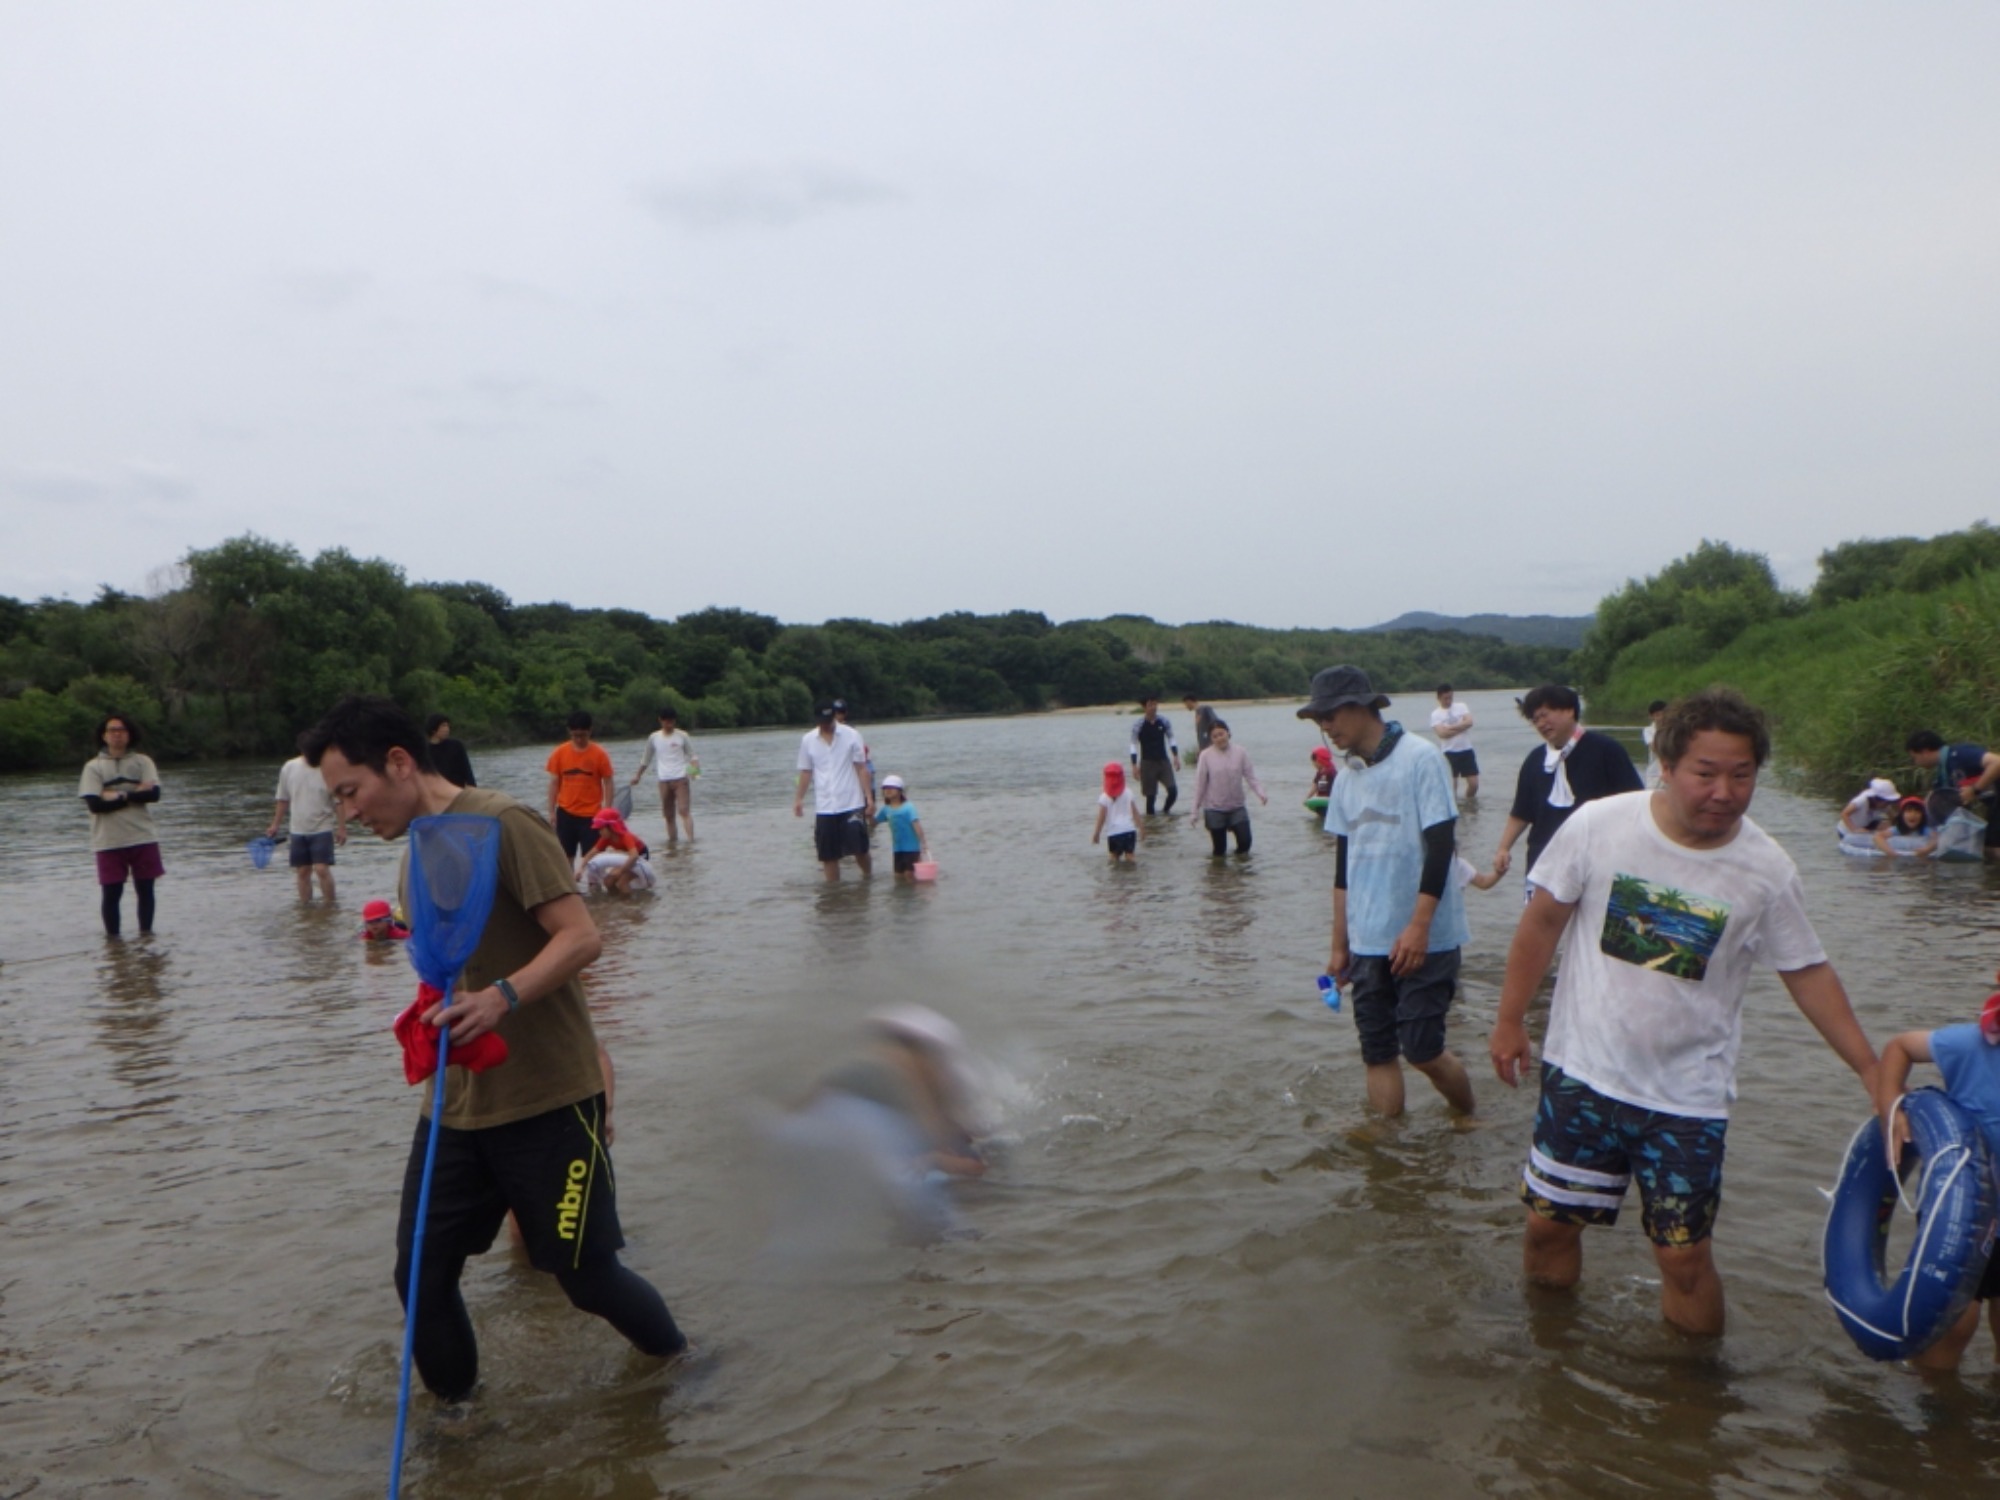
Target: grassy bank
x: 1845, y: 683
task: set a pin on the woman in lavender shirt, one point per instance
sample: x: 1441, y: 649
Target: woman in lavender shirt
x: 1220, y: 777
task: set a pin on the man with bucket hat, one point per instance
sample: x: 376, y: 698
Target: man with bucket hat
x: 1398, y: 916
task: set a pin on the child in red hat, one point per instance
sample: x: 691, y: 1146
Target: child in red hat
x: 619, y: 860
x: 1115, y: 812
x: 379, y: 924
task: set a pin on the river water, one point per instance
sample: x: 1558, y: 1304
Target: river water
x: 1195, y: 1267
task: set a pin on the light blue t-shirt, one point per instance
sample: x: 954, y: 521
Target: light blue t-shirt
x: 1971, y: 1076
x: 902, y: 820
x: 1382, y: 811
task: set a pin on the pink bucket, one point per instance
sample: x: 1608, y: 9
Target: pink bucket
x: 925, y: 869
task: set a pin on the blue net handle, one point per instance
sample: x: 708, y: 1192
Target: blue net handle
x: 454, y: 873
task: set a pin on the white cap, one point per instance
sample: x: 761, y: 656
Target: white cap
x: 1882, y: 789
x: 892, y: 781
x: 946, y: 1044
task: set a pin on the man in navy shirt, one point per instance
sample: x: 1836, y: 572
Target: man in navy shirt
x: 1971, y: 773
x: 1153, y: 755
x: 1573, y: 766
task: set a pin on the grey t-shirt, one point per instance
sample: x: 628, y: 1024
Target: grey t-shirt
x: 125, y: 827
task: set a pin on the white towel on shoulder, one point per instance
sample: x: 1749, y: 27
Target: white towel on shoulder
x: 1560, y: 794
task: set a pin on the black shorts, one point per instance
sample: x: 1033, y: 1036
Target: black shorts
x: 905, y: 860
x: 1463, y: 762
x: 1989, y: 1280
x: 1403, y: 1017
x: 573, y: 832
x: 305, y: 850
x: 1123, y: 843
x: 839, y: 836
x: 551, y: 1169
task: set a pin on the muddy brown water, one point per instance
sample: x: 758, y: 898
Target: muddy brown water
x: 1195, y: 1267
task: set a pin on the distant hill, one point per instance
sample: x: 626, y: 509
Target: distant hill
x: 1566, y: 631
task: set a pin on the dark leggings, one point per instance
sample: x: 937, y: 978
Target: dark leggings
x: 1218, y: 839
x: 447, y: 1354
x: 113, y: 895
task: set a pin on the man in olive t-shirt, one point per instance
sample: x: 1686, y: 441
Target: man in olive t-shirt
x: 528, y: 1135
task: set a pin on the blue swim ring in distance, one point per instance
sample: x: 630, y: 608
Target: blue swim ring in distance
x: 1955, y: 1231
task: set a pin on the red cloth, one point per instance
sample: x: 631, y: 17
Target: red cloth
x: 420, y: 1042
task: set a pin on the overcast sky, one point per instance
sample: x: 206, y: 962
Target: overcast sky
x: 1296, y: 314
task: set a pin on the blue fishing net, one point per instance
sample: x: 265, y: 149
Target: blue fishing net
x: 454, y: 871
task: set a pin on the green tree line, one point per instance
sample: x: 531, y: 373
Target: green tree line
x: 1893, y: 635
x: 248, y: 642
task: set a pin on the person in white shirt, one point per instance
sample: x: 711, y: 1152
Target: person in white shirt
x: 671, y: 754
x: 1869, y: 808
x: 1452, y: 724
x: 316, y: 826
x: 1654, y: 711
x: 834, y: 763
x: 1671, y: 896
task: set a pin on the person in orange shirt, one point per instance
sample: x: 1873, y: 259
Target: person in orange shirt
x: 579, y: 784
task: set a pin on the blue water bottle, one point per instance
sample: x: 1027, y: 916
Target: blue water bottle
x: 1329, y: 992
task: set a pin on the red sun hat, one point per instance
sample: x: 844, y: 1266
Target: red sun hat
x: 376, y: 911
x: 1114, y: 778
x: 607, y: 817
x: 1323, y: 755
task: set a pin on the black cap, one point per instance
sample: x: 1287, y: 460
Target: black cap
x: 823, y: 712
x: 1336, y: 687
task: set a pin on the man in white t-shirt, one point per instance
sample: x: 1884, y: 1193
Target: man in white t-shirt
x: 1674, y: 894
x: 834, y: 763
x: 671, y: 754
x: 1451, y: 722
x: 316, y: 826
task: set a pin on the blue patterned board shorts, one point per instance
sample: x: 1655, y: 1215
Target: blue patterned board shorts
x: 1588, y: 1146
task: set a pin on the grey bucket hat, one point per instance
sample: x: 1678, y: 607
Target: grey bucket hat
x: 1336, y: 687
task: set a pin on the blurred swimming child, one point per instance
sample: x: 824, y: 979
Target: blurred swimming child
x: 1117, y: 818
x: 879, y: 1138
x: 907, y: 843
x: 379, y: 924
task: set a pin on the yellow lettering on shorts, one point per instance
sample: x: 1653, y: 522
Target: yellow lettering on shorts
x: 569, y: 1207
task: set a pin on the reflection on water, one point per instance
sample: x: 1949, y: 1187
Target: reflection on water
x: 134, y: 1026
x: 1198, y: 1265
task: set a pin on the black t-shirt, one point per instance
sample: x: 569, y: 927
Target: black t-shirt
x: 1597, y: 767
x: 1151, y: 736
x: 449, y: 760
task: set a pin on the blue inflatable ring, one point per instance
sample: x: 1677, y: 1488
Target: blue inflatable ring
x: 1955, y: 1230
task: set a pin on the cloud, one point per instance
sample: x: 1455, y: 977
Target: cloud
x: 492, y: 395
x: 766, y: 197
x: 134, y: 482
x: 323, y: 291
x: 505, y: 289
